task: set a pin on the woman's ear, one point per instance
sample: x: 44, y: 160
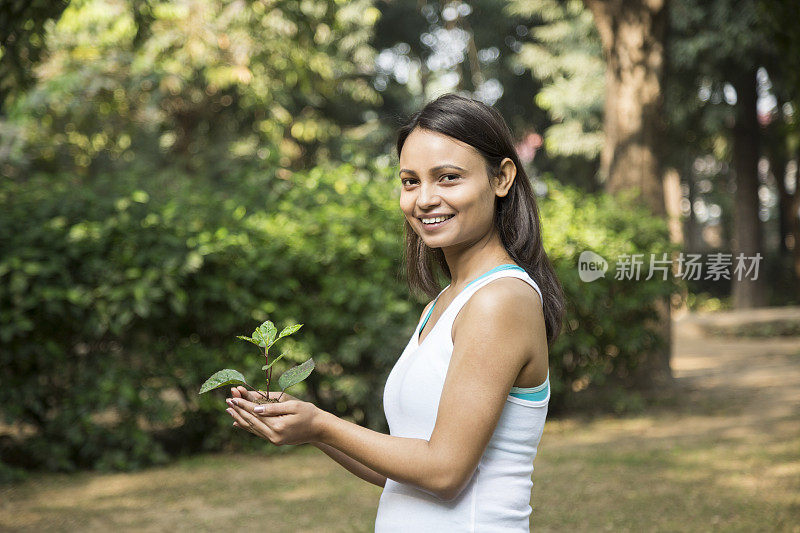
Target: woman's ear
x: 505, y: 179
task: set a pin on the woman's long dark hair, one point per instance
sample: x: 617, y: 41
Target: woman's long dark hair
x: 516, y: 218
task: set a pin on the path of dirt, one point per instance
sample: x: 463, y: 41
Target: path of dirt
x: 718, y: 451
x: 759, y: 376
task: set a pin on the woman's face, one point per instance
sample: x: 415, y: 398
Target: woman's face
x: 441, y: 176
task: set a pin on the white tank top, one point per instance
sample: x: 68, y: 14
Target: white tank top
x: 497, y: 497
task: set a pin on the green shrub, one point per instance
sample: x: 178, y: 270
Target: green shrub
x: 606, y: 327
x: 121, y: 294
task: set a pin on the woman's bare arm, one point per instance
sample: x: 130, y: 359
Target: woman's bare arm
x: 444, y: 464
x: 357, y: 468
x: 343, y: 459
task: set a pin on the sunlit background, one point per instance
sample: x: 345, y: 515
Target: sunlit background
x: 174, y: 173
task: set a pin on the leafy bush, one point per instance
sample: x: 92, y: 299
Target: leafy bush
x: 121, y: 294
x: 606, y: 329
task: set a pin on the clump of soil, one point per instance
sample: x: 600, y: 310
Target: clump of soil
x: 261, y: 400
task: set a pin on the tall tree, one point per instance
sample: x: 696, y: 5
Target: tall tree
x: 601, y: 71
x: 720, y: 45
x: 748, y: 235
x: 782, y: 135
x: 633, y: 35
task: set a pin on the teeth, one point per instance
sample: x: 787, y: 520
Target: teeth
x: 434, y: 220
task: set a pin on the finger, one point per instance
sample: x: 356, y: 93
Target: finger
x: 244, y: 410
x: 241, y: 392
x: 276, y: 409
x: 249, y: 430
x: 242, y: 404
x: 238, y: 420
x: 235, y: 393
x: 260, y: 427
x: 242, y: 423
x: 252, y: 406
x: 248, y: 394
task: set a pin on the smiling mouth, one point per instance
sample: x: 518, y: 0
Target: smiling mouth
x: 436, y: 224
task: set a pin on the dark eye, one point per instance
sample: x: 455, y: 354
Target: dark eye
x: 451, y: 176
x: 404, y: 180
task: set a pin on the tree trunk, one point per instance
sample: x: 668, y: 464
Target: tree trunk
x: 747, y: 237
x: 692, y: 228
x: 633, y: 33
x: 775, y: 152
x: 794, y: 209
x: 672, y: 203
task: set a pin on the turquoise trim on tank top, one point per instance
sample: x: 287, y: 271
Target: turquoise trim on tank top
x: 507, y: 266
x: 539, y: 392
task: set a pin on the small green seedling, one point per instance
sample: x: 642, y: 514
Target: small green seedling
x: 264, y: 337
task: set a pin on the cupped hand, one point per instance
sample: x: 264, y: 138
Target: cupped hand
x: 290, y: 421
x: 252, y: 396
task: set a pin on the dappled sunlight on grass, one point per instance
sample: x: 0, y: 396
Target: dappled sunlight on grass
x: 720, y: 452
x: 294, y: 492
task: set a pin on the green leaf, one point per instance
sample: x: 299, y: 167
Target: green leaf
x: 288, y: 330
x: 265, y: 334
x: 268, y: 331
x: 259, y: 339
x: 296, y: 374
x: 248, y: 339
x: 224, y: 377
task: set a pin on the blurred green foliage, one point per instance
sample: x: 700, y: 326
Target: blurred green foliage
x: 565, y: 55
x: 203, y: 83
x: 168, y: 184
x: 608, y: 326
x: 121, y: 295
x: 119, y: 290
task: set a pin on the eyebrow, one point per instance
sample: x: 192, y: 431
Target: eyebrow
x: 434, y: 169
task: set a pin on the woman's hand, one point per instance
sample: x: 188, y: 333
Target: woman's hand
x: 290, y: 421
x: 252, y: 396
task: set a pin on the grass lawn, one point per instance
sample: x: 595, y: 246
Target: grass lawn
x: 667, y: 473
x: 719, y: 453
x: 610, y: 474
x: 300, y: 491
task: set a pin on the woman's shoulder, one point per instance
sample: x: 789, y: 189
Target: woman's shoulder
x: 508, y: 297
x: 508, y: 291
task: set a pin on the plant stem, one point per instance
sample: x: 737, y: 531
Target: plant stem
x: 258, y: 391
x: 269, y: 371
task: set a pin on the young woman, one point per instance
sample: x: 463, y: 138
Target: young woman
x: 466, y: 401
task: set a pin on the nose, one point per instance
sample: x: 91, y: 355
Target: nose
x: 427, y: 196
